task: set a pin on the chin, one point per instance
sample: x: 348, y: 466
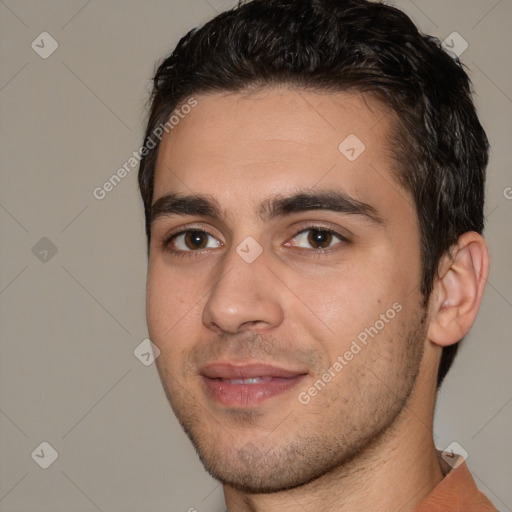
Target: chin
x: 253, y: 471
x: 251, y: 482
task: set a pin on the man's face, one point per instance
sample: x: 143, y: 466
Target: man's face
x: 291, y: 331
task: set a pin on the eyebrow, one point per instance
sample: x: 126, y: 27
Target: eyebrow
x: 272, y: 208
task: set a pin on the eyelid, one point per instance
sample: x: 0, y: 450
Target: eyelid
x: 319, y: 227
x: 311, y: 226
x: 301, y: 226
x: 194, y: 226
x: 181, y: 230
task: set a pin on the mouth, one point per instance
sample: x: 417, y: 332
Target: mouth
x: 247, y: 385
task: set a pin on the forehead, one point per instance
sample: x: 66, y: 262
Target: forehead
x: 278, y: 140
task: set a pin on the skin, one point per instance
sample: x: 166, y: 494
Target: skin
x: 364, y: 441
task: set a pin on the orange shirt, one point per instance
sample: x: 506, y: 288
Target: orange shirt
x: 457, y: 492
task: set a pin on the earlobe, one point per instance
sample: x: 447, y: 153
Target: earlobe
x: 458, y: 290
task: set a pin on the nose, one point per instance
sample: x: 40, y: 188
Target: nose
x: 244, y: 295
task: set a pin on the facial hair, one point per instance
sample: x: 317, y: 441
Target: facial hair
x: 256, y: 454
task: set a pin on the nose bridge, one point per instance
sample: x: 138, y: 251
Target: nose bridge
x: 243, y: 292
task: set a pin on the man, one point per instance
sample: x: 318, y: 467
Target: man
x: 313, y: 180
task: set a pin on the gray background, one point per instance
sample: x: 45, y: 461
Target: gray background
x: 71, y: 320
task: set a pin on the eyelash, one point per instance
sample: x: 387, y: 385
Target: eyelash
x: 192, y: 253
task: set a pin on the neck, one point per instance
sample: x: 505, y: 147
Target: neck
x: 394, y: 473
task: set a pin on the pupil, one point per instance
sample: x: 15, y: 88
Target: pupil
x: 319, y: 237
x: 195, y: 240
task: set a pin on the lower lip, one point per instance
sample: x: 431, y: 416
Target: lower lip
x: 247, y: 395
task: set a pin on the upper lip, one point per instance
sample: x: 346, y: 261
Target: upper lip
x: 220, y: 370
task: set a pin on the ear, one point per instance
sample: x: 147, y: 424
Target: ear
x: 458, y: 290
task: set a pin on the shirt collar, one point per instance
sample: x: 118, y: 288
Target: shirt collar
x: 457, y: 492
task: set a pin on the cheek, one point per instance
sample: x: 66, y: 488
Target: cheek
x: 171, y: 319
x: 346, y: 299
x: 169, y: 303
x: 349, y: 305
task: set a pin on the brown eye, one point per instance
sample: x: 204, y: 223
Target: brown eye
x: 319, y: 238
x: 196, y: 240
x: 191, y: 240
